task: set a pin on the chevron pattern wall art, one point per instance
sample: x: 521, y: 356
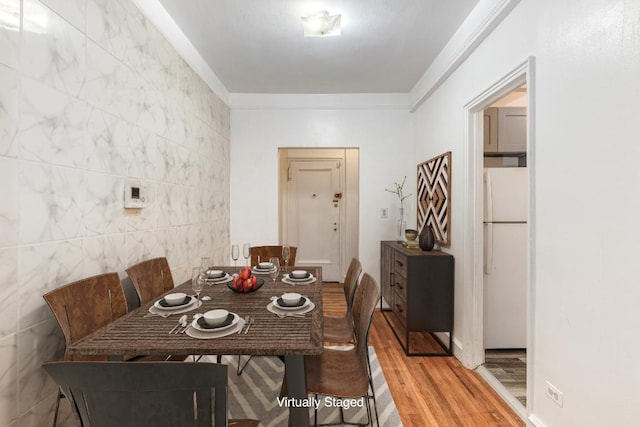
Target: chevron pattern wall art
x: 434, y: 187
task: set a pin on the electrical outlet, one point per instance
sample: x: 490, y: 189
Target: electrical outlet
x: 553, y: 393
x: 384, y: 213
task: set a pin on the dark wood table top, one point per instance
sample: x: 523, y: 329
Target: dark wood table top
x: 269, y: 335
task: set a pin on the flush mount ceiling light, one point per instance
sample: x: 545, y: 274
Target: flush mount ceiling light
x: 321, y: 24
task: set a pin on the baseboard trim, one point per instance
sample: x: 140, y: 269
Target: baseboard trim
x: 514, y: 403
x: 535, y: 421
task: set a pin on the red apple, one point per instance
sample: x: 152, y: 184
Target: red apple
x: 254, y: 282
x: 247, y: 285
x: 245, y: 272
x: 238, y: 283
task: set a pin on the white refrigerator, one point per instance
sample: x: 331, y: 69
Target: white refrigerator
x: 505, y: 257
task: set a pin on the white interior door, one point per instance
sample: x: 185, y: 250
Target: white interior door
x: 314, y: 214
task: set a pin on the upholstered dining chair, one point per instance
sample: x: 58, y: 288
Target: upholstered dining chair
x: 339, y: 329
x: 77, y: 317
x: 151, y: 278
x: 159, y: 394
x: 346, y: 373
x: 265, y: 252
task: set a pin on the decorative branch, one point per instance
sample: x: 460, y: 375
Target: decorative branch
x: 399, y: 191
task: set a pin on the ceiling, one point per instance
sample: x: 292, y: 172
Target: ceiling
x: 257, y: 46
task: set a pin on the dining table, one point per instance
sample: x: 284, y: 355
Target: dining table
x: 291, y: 337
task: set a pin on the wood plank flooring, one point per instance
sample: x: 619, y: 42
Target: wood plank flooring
x: 510, y: 368
x: 429, y: 391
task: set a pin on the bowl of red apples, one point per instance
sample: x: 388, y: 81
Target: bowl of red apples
x: 245, y: 281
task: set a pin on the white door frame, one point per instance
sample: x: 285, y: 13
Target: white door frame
x: 473, y: 354
x: 349, y: 239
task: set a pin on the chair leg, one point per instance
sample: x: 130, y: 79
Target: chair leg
x: 240, y: 367
x: 315, y: 413
x: 55, y: 414
x: 373, y: 391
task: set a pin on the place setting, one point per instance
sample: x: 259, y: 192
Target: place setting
x: 173, y: 303
x: 299, y: 277
x: 217, y: 323
x: 216, y: 277
x: 290, y: 304
x: 264, y: 268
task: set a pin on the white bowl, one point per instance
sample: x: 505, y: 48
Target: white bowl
x: 265, y: 265
x: 175, y: 298
x: 214, y: 274
x: 291, y: 298
x: 215, y: 317
x: 299, y: 274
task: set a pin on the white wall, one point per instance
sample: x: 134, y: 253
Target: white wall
x: 584, y: 158
x: 383, y: 136
x: 90, y: 93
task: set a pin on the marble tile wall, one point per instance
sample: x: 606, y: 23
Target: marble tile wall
x: 90, y: 94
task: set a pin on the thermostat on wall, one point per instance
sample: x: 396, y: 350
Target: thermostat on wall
x: 133, y: 194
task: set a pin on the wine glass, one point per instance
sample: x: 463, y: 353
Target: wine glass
x: 276, y: 267
x: 286, y: 254
x: 197, y: 282
x: 246, y: 251
x: 235, y: 254
x: 205, y: 263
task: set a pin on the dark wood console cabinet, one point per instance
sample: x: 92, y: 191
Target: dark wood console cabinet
x: 418, y: 286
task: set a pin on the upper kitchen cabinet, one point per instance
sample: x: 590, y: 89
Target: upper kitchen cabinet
x: 505, y: 130
x: 491, y: 130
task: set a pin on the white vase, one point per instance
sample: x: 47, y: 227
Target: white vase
x: 402, y: 224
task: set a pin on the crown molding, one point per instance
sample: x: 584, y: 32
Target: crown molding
x: 337, y: 101
x: 158, y: 16
x: 482, y: 20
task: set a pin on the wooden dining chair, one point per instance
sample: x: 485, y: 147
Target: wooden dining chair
x: 83, y: 307
x: 347, y: 373
x: 264, y: 253
x: 159, y: 394
x: 151, y: 278
x: 339, y: 329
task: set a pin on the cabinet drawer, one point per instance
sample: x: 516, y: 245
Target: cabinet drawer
x: 400, y: 310
x: 401, y: 264
x: 400, y: 285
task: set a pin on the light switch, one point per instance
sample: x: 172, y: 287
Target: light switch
x: 134, y: 197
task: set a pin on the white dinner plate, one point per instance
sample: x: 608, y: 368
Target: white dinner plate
x: 233, y: 323
x: 296, y: 282
x: 224, y: 279
x: 292, y: 308
x: 181, y: 309
x: 174, y: 307
x: 275, y: 310
x: 309, y: 278
x: 255, y: 270
x: 194, y: 333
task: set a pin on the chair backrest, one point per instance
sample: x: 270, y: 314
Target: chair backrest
x: 85, y: 306
x: 151, y: 278
x: 159, y: 394
x: 266, y: 252
x: 364, y: 303
x: 351, y: 283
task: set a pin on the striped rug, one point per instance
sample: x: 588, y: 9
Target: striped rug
x: 254, y: 394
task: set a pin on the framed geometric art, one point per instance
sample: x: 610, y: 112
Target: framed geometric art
x: 434, y: 188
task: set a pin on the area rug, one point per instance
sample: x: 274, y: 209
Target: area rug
x: 254, y: 395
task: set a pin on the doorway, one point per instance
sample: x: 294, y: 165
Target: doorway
x: 319, y: 206
x: 476, y: 301
x: 505, y: 241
